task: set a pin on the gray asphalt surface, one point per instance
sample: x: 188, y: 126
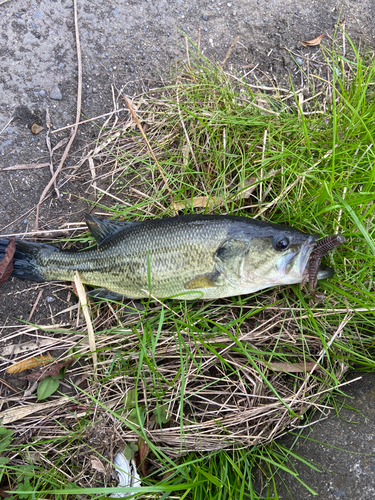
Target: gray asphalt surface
x: 132, y: 43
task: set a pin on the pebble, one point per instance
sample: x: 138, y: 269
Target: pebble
x: 36, y: 129
x: 29, y: 38
x: 299, y: 61
x: 38, y: 13
x: 56, y: 93
x: 49, y: 299
x: 205, y: 17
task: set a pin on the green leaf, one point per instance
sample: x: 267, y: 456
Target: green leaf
x: 5, y: 438
x: 61, y: 374
x: 161, y: 414
x: 46, y: 387
x: 130, y: 399
x: 28, y: 471
x: 130, y: 450
x: 211, y: 478
x: 133, y: 416
x: 24, y: 489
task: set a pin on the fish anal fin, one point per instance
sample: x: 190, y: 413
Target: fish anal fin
x: 208, y: 280
x: 102, y: 229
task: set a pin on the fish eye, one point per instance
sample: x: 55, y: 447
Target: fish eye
x: 282, y: 244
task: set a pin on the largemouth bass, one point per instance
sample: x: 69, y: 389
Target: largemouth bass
x: 188, y: 257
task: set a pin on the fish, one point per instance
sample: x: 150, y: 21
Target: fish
x: 185, y: 257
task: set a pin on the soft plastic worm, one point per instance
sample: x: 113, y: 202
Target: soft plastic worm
x: 322, y: 247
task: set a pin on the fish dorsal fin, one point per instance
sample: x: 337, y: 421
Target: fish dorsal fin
x: 102, y: 229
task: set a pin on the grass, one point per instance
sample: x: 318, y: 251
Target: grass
x: 206, y: 387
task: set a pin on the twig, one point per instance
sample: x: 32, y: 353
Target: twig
x: 229, y: 51
x: 7, y: 124
x: 187, y: 52
x: 264, y: 109
x: 92, y: 170
x: 150, y: 149
x: 26, y: 166
x: 35, y: 305
x: 300, y: 104
x: 340, y: 211
x: 89, y: 120
x: 78, y: 114
x: 48, y: 142
x: 85, y: 309
x: 261, y: 170
x: 46, y: 232
x: 114, y: 197
x: 185, y: 131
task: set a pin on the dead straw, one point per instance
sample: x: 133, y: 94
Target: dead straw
x: 86, y: 312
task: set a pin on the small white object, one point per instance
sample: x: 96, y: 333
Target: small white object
x: 127, y: 474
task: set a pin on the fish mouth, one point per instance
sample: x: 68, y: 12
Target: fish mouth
x: 306, y: 251
x: 324, y: 272
x: 298, y: 258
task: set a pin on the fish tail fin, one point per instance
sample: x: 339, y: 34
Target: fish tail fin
x: 25, y: 261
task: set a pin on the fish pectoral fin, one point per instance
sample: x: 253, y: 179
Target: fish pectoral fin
x: 102, y: 229
x: 208, y: 280
x: 104, y: 294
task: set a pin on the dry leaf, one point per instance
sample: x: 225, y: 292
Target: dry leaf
x: 51, y: 370
x: 20, y: 412
x: 35, y: 128
x: 60, y: 144
x: 169, y: 473
x: 6, y: 265
x: 246, y: 193
x: 96, y: 464
x: 14, y: 349
x: 29, y: 363
x: 143, y: 450
x: 199, y: 202
x: 312, y: 43
x: 4, y: 494
x: 210, y: 201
